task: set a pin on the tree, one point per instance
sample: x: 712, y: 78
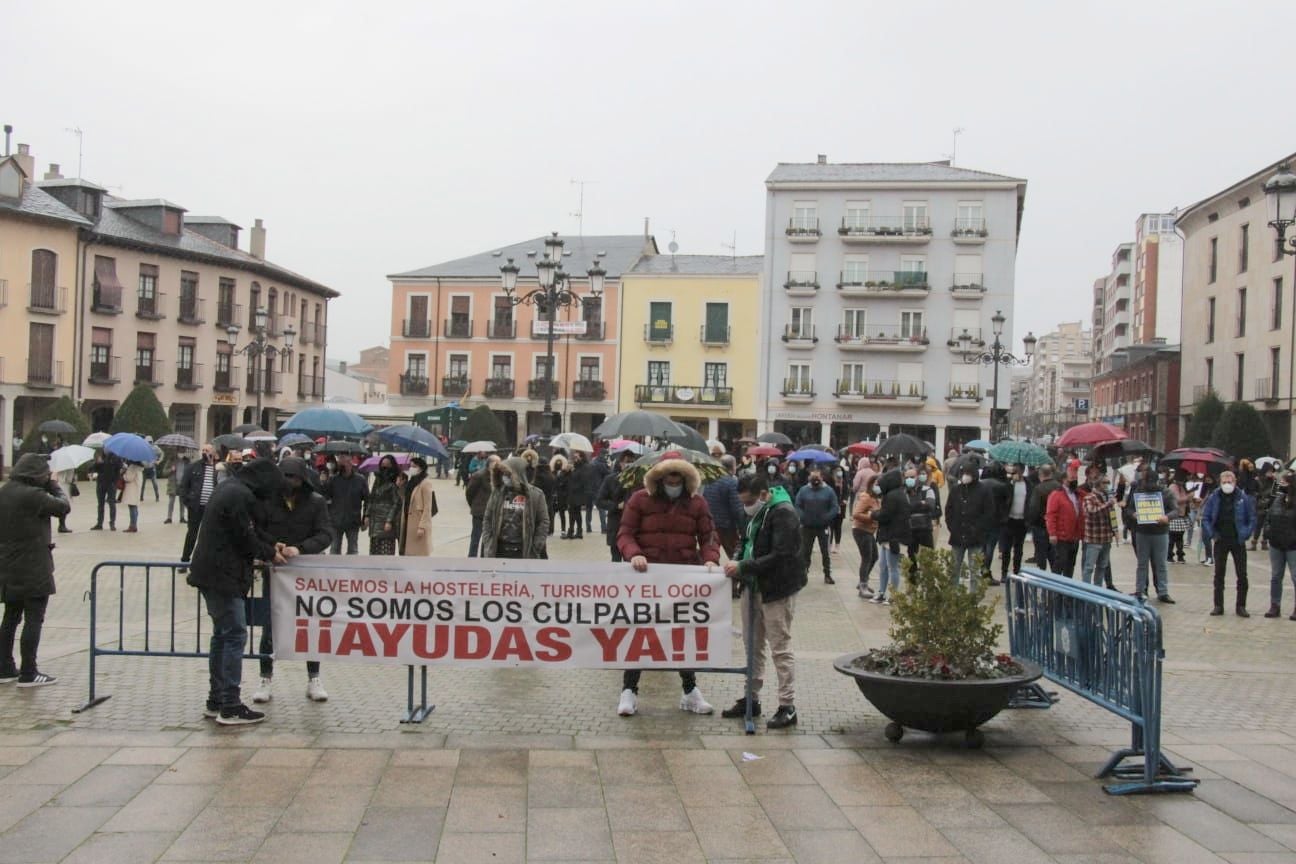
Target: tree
x: 141, y: 413
x: 483, y: 425
x: 64, y: 409
x: 1206, y: 415
x: 1241, y: 433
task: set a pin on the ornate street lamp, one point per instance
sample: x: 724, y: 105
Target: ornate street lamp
x: 1280, y: 197
x: 996, y: 356
x: 259, y: 347
x: 554, y: 291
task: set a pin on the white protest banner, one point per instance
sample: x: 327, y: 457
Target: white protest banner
x: 500, y: 612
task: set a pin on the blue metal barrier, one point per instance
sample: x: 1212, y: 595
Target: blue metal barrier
x: 1106, y: 647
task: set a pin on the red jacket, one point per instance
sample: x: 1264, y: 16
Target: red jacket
x: 667, y: 531
x: 1065, y: 522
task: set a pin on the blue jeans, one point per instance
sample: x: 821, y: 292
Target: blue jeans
x: 988, y: 547
x: 474, y: 541
x: 352, y: 538
x: 1278, y: 559
x: 1151, y: 548
x: 1097, y: 558
x: 229, y: 635
x: 969, y: 553
x: 134, y: 514
x: 888, y: 568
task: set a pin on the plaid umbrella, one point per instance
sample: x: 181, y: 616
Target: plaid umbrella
x: 1020, y: 453
x: 708, y: 467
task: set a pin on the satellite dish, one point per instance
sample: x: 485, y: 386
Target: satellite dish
x: 673, y: 247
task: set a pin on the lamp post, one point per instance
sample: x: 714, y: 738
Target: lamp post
x: 997, y: 356
x: 1280, y: 198
x: 554, y: 290
x: 259, y: 347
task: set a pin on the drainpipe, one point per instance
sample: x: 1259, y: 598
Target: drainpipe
x: 436, y: 349
x: 78, y: 316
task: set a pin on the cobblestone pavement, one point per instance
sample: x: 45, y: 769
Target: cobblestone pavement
x: 527, y: 765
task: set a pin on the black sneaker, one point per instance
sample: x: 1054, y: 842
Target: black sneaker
x: 739, y: 709
x: 8, y: 676
x: 211, y: 711
x: 785, y: 716
x: 40, y: 679
x: 1166, y: 598
x: 1218, y: 610
x: 239, y: 715
x: 96, y: 527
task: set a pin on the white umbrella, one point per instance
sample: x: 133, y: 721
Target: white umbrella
x: 96, y: 439
x: 1268, y: 460
x: 712, y: 444
x: 69, y: 458
x: 260, y: 436
x: 480, y: 447
x: 572, y: 441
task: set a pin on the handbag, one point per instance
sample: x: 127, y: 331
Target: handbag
x: 432, y: 507
x: 74, y: 490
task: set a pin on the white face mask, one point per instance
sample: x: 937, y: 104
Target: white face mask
x: 674, y: 491
x: 1227, y: 488
x: 966, y: 479
x: 753, y: 509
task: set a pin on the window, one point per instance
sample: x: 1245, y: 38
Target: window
x: 1241, y: 315
x: 589, y: 369
x: 805, y: 216
x: 909, y: 374
x: 43, y: 272
x: 658, y: 373
x: 854, y: 323
x: 107, y: 290
x: 801, y: 267
x: 503, y: 313
x: 717, y: 323
x: 915, y: 217
x: 225, y: 302
x: 501, y: 366
x: 857, y: 214
x: 967, y: 271
x: 1277, y: 249
x: 254, y: 302
x: 40, y: 353
x: 1210, y: 319
x: 798, y: 380
x: 416, y: 367
x: 1244, y: 243
x: 1210, y: 373
x: 855, y: 269
x: 969, y: 218
x: 802, y: 323
x: 1275, y: 305
x: 145, y: 345
x: 188, y: 295
x: 148, y: 275
x: 715, y: 375
x: 659, y: 321
x: 224, y: 352
x: 852, y: 378
x: 1237, y: 383
x: 1214, y: 258
x: 1275, y: 372
x: 457, y: 366
x: 969, y: 320
x: 592, y: 313
x: 541, y: 363
x: 100, y: 353
x: 460, y: 322
x: 185, y: 353
x: 419, y: 325
x: 911, y: 325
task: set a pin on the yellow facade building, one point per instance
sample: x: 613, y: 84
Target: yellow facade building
x: 691, y: 342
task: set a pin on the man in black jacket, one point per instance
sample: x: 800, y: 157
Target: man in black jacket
x: 478, y: 492
x: 196, y: 488
x: 1036, y: 506
x: 612, y: 498
x: 107, y: 469
x: 233, y: 536
x: 346, y: 492
x: 770, y: 565
x: 970, y: 515
x: 599, y: 470
x: 297, y: 516
x: 893, y: 534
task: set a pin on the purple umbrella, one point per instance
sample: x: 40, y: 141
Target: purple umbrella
x: 371, y: 464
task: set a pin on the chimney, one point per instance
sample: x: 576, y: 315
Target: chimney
x: 647, y: 244
x: 256, y: 244
x: 8, y: 130
x: 26, y: 162
x: 53, y: 172
x: 823, y: 159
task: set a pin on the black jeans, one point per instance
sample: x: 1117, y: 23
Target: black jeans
x: 1176, y: 546
x: 868, y: 552
x: 1064, y: 554
x: 352, y: 538
x: 808, y: 538
x: 574, y: 520
x: 191, y: 532
x: 1043, y: 549
x: 918, y: 539
x: 30, y: 611
x: 107, y: 496
x: 1012, y: 537
x: 630, y: 680
x: 1236, y: 548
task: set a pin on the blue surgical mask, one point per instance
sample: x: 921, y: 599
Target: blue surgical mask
x: 910, y: 482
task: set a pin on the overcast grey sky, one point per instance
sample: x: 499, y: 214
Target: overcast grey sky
x: 379, y: 137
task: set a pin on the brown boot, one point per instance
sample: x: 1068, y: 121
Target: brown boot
x: 1274, y: 611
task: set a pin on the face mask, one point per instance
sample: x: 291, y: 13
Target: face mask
x: 1227, y: 488
x: 966, y: 479
x: 506, y: 482
x: 674, y: 491
x: 877, y: 490
x: 911, y: 482
x: 773, y: 469
x: 922, y: 478
x: 753, y: 509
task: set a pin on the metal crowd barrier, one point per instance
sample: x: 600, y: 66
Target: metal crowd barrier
x: 1106, y: 647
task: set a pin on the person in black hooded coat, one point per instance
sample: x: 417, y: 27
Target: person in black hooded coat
x: 893, y: 533
x: 969, y: 513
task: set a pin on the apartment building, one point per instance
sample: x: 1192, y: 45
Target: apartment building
x: 1158, y: 279
x: 1114, y: 317
x: 456, y: 336
x: 690, y: 328
x: 1059, y: 391
x: 1237, y: 305
x: 881, y: 280
x: 1141, y: 394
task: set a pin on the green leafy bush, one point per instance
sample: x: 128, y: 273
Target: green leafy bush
x: 141, y: 413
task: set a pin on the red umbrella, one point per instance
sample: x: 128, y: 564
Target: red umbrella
x: 862, y: 448
x: 1089, y: 434
x: 764, y: 450
x: 1197, y: 460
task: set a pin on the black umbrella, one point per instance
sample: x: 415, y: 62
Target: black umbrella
x: 230, y: 441
x: 1123, y: 447
x: 775, y: 438
x: 246, y: 427
x: 687, y: 436
x: 58, y: 427
x: 340, y: 447
x: 643, y: 424
x: 902, y: 444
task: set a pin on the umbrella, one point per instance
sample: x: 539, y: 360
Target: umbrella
x: 69, y: 458
x: 181, y: 442
x: 327, y: 421
x: 708, y: 466
x: 230, y: 441
x: 246, y: 427
x: 862, y: 448
x: 713, y: 444
x: 824, y: 447
x: 978, y: 444
x: 131, y: 447
x: 572, y: 441
x: 371, y: 464
x: 1121, y: 447
x: 293, y: 439
x: 775, y: 438
x: 902, y: 444
x: 341, y: 447
x: 480, y: 447
x: 95, y: 439
x: 414, y: 438
x: 1088, y: 434
x: 808, y: 455
x: 764, y: 450
x: 58, y: 427
x: 688, y: 438
x: 258, y: 435
x: 746, y: 442
x: 1265, y: 461
x: 1197, y: 460
x: 642, y: 424
x: 458, y: 445
x: 1020, y: 453
x: 622, y: 444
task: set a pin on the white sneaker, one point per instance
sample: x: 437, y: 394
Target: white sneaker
x: 315, y: 691
x: 877, y: 598
x: 262, y: 694
x: 693, y: 702
x: 629, y: 703
x: 865, y: 592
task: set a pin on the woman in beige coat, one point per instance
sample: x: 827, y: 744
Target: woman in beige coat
x: 421, y: 506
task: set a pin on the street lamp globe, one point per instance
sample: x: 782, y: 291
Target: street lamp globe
x: 553, y: 248
x: 1029, y: 341
x: 997, y: 322
x: 289, y: 332
x: 1280, y: 197
x: 597, y: 275
x: 232, y: 330
x: 545, y: 273
x: 965, y: 341
x: 259, y: 318
x: 508, y: 277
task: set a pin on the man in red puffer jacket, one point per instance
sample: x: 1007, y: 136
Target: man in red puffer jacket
x: 1064, y: 518
x: 667, y: 522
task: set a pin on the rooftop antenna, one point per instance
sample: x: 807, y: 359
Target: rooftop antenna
x: 76, y: 130
x: 579, y: 212
x: 672, y: 246
x: 953, y: 156
x: 732, y: 247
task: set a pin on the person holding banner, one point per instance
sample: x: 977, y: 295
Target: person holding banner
x: 1149, y: 506
x: 667, y: 522
x: 516, y: 521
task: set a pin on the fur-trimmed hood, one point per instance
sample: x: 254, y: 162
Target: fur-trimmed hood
x: 558, y: 463
x: 516, y: 466
x: 672, y: 462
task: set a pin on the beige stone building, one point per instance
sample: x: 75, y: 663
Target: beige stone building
x: 1058, y: 393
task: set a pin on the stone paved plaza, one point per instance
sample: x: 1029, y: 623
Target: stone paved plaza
x: 522, y: 765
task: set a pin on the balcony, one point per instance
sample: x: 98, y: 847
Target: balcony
x: 44, y: 373
x: 885, y: 283
x: 588, y: 390
x: 149, y: 373
x: 803, y: 230
x: 150, y: 308
x: 4, y: 292
x: 226, y: 379
x: 320, y: 333
x: 713, y: 335
x: 454, y: 385
x: 672, y: 394
x: 659, y: 335
x: 270, y: 382
x: 228, y: 313
x: 889, y: 337
x: 1267, y: 389
x: 413, y: 384
x: 975, y: 338
x: 969, y: 232
x: 499, y: 388
x: 500, y: 329
x: 593, y: 332
x: 880, y: 392
x: 798, y: 390
x: 968, y: 286
x: 105, y: 371
x: 536, y: 389
x: 192, y: 310
x: 964, y: 395
x: 411, y: 328
x: 312, y: 386
x: 458, y: 328
x: 801, y: 283
x: 189, y: 377
x: 886, y: 230
x: 800, y: 337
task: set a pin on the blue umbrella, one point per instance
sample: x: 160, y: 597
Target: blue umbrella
x: 327, y: 421
x: 292, y: 439
x: 414, y: 438
x: 808, y: 455
x: 131, y: 447
x: 979, y: 444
